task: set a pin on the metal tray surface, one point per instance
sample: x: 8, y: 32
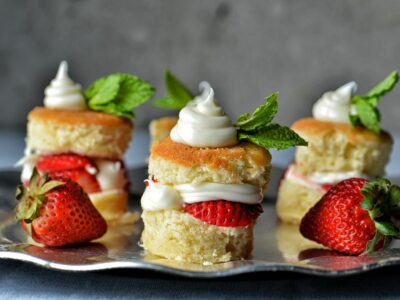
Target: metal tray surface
x: 277, y: 247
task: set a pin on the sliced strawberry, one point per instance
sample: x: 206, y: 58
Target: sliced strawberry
x: 87, y: 181
x: 146, y: 182
x: 61, y: 162
x: 326, y: 187
x: 224, y: 213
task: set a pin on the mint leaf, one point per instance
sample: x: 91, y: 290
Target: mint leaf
x: 178, y: 95
x: 170, y: 103
x: 118, y: 94
x: 257, y: 128
x: 385, y: 86
x: 103, y: 90
x: 369, y: 116
x: 366, y: 106
x: 261, y: 116
x: 273, y: 136
x: 243, y: 117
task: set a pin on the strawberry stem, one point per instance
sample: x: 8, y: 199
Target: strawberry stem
x: 381, y: 200
x: 31, y: 198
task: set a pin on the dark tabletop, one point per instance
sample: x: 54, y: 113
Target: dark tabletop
x: 22, y: 280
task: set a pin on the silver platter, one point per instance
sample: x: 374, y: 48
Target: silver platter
x: 277, y: 247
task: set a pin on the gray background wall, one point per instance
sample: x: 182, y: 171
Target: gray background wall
x: 246, y: 49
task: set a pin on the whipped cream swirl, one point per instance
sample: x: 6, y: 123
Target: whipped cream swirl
x: 335, y: 106
x: 63, y: 93
x: 202, y: 123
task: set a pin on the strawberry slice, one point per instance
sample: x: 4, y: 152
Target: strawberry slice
x: 326, y: 187
x: 60, y: 162
x: 87, y: 181
x: 224, y: 213
x: 146, y: 182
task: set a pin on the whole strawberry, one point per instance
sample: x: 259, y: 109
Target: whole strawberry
x: 354, y: 216
x: 57, y: 212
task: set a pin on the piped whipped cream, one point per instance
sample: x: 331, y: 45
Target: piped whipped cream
x: 202, y: 123
x: 158, y: 196
x: 63, y: 93
x: 336, y: 106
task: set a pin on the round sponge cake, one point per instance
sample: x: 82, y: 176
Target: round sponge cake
x: 177, y: 235
x: 86, y: 133
x: 176, y: 163
x: 338, y: 147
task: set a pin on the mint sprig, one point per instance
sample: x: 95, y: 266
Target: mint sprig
x: 118, y: 94
x: 366, y: 106
x: 178, y: 95
x: 258, y: 129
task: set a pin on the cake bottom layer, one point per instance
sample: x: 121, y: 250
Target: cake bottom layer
x: 113, y: 206
x: 177, y: 235
x: 294, y: 201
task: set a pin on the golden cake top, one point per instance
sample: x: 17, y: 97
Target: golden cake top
x: 214, y: 157
x: 313, y: 128
x: 86, y: 117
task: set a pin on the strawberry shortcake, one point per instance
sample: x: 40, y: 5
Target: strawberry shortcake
x: 206, y: 183
x: 84, y: 135
x: 345, y: 141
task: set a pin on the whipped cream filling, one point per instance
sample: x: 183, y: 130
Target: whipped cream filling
x: 109, y: 174
x: 317, y: 179
x: 334, y: 177
x: 243, y: 193
x: 28, y: 162
x: 158, y: 196
x: 63, y: 93
x: 202, y: 123
x: 300, y: 179
x: 336, y: 105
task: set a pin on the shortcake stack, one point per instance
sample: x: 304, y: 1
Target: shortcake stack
x: 205, y: 188
x: 84, y: 137
x: 342, y: 144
